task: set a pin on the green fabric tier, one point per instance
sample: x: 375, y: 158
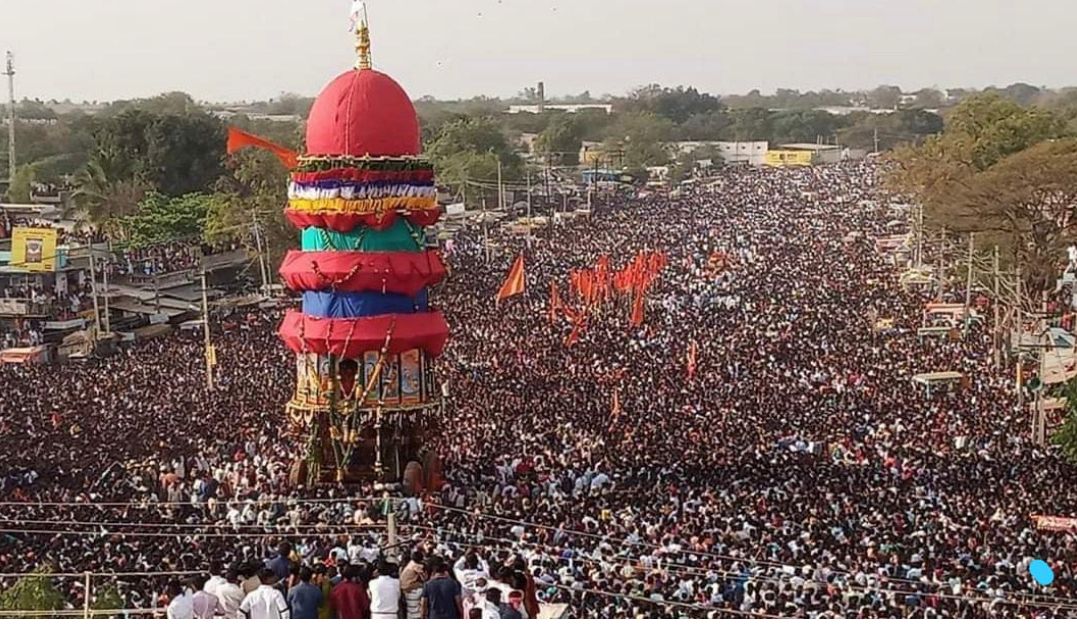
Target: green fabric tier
x: 400, y: 237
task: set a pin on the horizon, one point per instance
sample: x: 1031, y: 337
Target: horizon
x: 808, y: 45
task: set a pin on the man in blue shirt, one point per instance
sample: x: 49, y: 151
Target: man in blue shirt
x: 281, y: 565
x: 441, y: 595
x: 305, y: 598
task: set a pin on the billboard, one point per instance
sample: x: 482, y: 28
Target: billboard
x: 34, y: 249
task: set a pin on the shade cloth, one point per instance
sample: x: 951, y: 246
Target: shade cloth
x: 402, y: 273
x: 349, y: 338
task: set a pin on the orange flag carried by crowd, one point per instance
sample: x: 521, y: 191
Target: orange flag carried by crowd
x: 693, y: 350
x: 555, y: 302
x: 237, y: 140
x: 514, y: 283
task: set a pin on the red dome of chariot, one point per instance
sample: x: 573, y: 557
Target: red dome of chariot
x: 363, y: 112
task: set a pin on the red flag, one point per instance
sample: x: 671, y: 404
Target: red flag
x: 514, y: 283
x: 693, y: 348
x: 237, y: 140
x: 555, y: 302
x: 636, y: 319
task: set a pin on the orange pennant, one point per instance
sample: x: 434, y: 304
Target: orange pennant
x: 514, y: 283
x: 237, y: 140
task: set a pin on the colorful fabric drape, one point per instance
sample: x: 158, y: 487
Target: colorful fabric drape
x: 401, y: 236
x: 400, y: 273
x: 347, y: 215
x: 238, y: 139
x: 350, y: 338
x: 514, y: 283
x: 355, y: 305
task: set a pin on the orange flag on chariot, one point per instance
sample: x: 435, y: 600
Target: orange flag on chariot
x: 237, y: 140
x: 693, y: 348
x: 515, y: 282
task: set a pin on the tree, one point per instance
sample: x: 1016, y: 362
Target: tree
x: 643, y: 137
x: 802, y: 126
x: 1030, y: 197
x: 884, y: 97
x: 1066, y: 436
x: 161, y: 219
x: 929, y: 98
x: 470, y: 149
x: 561, y: 140
x: 104, y: 192
x: 22, y: 184
x: 174, y: 154
x: 253, y: 190
x: 107, y: 599
x: 751, y: 124
x: 677, y: 104
x: 713, y: 126
x: 33, y: 593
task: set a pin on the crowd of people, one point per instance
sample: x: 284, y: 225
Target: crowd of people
x: 794, y: 470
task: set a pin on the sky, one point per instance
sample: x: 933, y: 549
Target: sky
x: 233, y: 50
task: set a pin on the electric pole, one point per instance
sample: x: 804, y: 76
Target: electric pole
x: 10, y: 73
x: 211, y: 356
x: 876, y: 140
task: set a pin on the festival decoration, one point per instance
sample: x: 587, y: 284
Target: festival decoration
x: 366, y: 336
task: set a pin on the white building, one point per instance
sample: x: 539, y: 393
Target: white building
x: 732, y: 152
x: 568, y: 108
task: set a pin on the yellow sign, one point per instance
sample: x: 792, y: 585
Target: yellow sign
x: 785, y: 158
x: 33, y: 249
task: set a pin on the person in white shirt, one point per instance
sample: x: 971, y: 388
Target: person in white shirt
x: 265, y: 602
x: 215, y: 578
x: 229, y: 594
x: 384, y: 594
x: 182, y: 604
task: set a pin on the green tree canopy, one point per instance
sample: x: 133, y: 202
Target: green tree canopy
x: 561, y: 140
x: 33, y: 593
x: 470, y: 149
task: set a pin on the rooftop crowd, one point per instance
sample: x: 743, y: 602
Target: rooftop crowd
x: 798, y: 472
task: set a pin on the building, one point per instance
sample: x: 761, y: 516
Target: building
x: 743, y: 152
x: 567, y: 108
x: 821, y: 153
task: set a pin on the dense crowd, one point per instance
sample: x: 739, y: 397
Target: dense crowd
x: 796, y: 472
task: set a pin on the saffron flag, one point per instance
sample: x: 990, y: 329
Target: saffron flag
x: 615, y: 408
x: 693, y: 348
x: 636, y: 319
x: 514, y: 283
x: 237, y: 140
x: 555, y: 302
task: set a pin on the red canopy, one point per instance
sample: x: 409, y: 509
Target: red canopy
x: 363, y: 112
x: 346, y: 222
x: 402, y: 273
x: 350, y: 338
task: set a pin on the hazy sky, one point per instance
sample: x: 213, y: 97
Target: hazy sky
x: 254, y: 49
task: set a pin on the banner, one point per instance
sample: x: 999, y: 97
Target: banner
x: 34, y: 249
x: 1055, y: 523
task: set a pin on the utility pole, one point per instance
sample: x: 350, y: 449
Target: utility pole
x: 968, y: 281
x: 996, y: 304
x: 108, y: 265
x: 485, y: 233
x: 938, y: 267
x: 529, y: 225
x: 919, y: 236
x: 211, y: 356
x: 1020, y: 333
x: 876, y: 140
x: 262, y: 265
x: 93, y: 292
x: 10, y: 73
x: 500, y: 187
